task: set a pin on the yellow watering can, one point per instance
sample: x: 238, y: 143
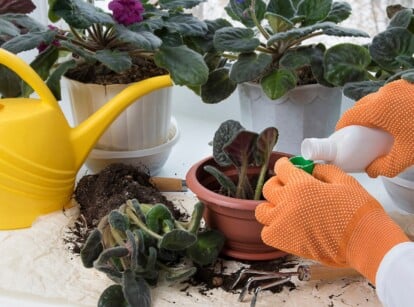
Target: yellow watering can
x: 40, y: 154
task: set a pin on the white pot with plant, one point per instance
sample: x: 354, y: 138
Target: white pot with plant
x: 266, y: 54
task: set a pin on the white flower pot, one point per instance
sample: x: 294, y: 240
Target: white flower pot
x: 306, y: 111
x: 143, y: 124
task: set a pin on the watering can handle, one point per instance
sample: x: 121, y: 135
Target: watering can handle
x: 26, y: 72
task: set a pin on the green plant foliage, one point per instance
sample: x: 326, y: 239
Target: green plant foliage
x: 134, y: 243
x: 391, y: 52
x: 233, y: 145
x: 269, y: 47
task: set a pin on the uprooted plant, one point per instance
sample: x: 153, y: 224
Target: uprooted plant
x: 234, y: 145
x: 134, y: 244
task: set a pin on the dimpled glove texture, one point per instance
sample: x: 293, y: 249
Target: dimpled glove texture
x: 390, y: 109
x: 327, y: 217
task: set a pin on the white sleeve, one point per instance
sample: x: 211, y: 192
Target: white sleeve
x: 395, y: 276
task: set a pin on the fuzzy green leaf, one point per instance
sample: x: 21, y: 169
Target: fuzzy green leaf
x: 285, y: 8
x: 314, y: 10
x: 142, y: 40
x: 116, y: 61
x: 180, y: 274
x: 227, y: 185
x: 357, y: 90
x: 240, y: 11
x: 346, y: 63
x: 91, y: 249
x: 250, y: 66
x: 25, y: 21
x: 235, y: 40
x: 225, y: 132
x: 177, y: 240
x: 207, y: 248
x: 196, y: 217
x: 218, y: 86
x: 401, y: 19
x: 28, y: 41
x: 112, y: 297
x: 173, y: 4
x: 186, y: 25
x: 80, y: 14
x: 136, y: 291
x: 53, y: 82
x: 278, y: 83
x: 7, y: 28
x: 186, y: 66
x: 155, y: 217
x: 118, y: 221
x: 387, y: 45
x: 10, y: 83
x: 339, y: 12
x: 278, y: 23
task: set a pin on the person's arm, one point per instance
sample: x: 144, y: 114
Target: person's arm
x: 395, y: 276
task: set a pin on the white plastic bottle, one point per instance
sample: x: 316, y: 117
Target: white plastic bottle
x: 352, y: 148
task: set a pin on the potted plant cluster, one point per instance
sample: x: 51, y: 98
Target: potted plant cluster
x: 391, y: 52
x: 138, y: 244
x: 271, y: 60
x: 133, y: 41
x: 230, y: 183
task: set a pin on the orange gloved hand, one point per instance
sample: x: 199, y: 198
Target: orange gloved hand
x: 390, y: 109
x: 327, y: 216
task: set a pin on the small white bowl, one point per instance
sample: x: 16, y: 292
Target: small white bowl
x: 152, y: 159
x: 401, y: 189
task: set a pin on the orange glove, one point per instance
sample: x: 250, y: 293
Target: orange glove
x: 328, y: 217
x: 390, y: 109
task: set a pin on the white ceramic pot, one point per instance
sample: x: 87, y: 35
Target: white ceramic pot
x: 306, y: 111
x: 144, y: 124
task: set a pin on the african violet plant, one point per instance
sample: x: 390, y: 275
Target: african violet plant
x: 136, y: 243
x: 233, y: 145
x: 268, y: 48
x: 133, y: 32
x: 392, y: 53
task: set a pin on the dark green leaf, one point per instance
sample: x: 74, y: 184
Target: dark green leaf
x: 314, y: 10
x: 53, y: 82
x: 265, y: 142
x: 187, y: 25
x: 240, y: 11
x: 186, y: 66
x: 142, y: 40
x: 409, y: 76
x: 118, y: 221
x: 278, y: 83
x: 401, y: 19
x: 86, y: 55
x: 250, y: 67
x: 357, y: 90
x: 278, y: 23
x: 339, y: 12
x: 28, y: 41
x: 225, y: 132
x: 107, y: 254
x: 173, y: 4
x: 218, y: 86
x: 196, y: 217
x: 80, y: 14
x: 387, y: 45
x: 25, y: 22
x: 180, y: 274
x: 132, y: 242
x: 235, y: 39
x: 227, y: 185
x: 116, y: 61
x: 7, y: 28
x: 91, y: 249
x: 284, y: 8
x: 10, y: 83
x: 207, y: 248
x: 136, y: 291
x: 156, y: 216
x: 151, y: 259
x: 346, y: 63
x: 112, y: 297
x: 177, y: 240
x: 296, y: 58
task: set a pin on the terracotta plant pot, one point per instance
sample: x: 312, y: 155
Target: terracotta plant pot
x: 233, y: 217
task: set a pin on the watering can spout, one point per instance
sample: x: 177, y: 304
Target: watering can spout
x: 85, y: 135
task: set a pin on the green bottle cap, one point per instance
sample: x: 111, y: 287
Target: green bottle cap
x: 302, y: 163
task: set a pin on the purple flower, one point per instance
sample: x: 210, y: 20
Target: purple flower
x: 43, y: 46
x: 126, y: 12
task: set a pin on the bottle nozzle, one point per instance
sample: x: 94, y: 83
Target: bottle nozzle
x: 318, y: 149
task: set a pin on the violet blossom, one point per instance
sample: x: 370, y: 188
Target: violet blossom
x: 126, y: 12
